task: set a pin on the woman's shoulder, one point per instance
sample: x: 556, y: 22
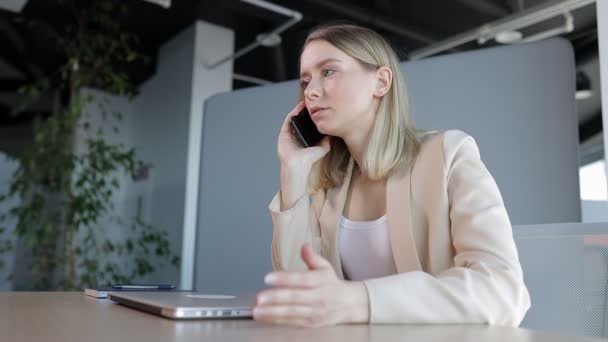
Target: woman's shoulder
x: 445, y: 143
x: 446, y: 138
x: 451, y: 136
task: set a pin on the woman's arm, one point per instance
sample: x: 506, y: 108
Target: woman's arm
x: 296, y: 222
x: 485, y: 285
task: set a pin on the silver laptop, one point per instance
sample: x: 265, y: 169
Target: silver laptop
x: 187, y: 305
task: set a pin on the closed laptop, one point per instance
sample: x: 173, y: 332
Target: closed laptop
x: 187, y: 305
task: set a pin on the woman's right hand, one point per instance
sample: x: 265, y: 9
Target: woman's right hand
x: 296, y: 161
x: 290, y: 152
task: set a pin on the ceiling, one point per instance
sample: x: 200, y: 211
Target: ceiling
x: 408, y: 24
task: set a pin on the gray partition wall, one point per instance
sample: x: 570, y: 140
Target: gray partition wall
x: 516, y: 101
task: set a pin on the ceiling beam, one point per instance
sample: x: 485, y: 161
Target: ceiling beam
x: 584, y: 54
x: 12, y: 85
x: 13, y: 138
x: 365, y: 17
x: 162, y: 3
x: 516, y: 21
x: 590, y: 127
x: 585, y: 45
x: 14, y: 50
x: 8, y: 119
x: 17, y: 61
x: 486, y: 7
x: 386, y: 6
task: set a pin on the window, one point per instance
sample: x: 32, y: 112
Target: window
x: 593, y: 181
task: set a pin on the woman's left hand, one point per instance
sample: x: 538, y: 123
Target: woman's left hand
x: 313, y: 298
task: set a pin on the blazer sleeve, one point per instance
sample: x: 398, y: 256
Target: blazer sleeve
x: 485, y: 284
x: 294, y: 227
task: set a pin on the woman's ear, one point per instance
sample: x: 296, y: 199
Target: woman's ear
x: 384, y: 77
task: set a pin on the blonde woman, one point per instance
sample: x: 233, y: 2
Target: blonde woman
x: 382, y: 223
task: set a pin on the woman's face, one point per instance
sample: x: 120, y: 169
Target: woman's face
x: 338, y: 90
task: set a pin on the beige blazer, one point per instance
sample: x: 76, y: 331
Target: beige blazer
x: 450, y: 236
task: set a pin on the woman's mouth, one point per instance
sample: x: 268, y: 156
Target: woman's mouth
x: 317, y: 112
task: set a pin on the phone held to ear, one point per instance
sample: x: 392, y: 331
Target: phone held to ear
x: 305, y: 130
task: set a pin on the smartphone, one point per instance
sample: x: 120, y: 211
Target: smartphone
x: 305, y: 129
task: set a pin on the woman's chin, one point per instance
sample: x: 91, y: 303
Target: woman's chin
x: 330, y: 132
x: 324, y: 130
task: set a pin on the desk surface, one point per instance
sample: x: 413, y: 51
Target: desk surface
x: 72, y: 316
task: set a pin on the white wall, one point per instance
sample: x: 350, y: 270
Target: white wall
x: 159, y: 132
x: 168, y: 129
x: 211, y: 44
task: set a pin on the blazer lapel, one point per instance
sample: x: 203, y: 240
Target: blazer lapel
x: 403, y: 246
x: 329, y: 220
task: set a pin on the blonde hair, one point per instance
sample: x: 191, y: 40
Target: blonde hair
x: 394, y: 141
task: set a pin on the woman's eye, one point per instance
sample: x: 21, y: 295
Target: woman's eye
x: 303, y: 84
x: 328, y: 72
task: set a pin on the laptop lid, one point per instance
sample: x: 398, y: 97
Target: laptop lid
x: 187, y: 305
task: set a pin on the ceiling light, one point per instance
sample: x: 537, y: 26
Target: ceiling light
x: 508, y: 37
x: 269, y: 40
x: 583, y: 86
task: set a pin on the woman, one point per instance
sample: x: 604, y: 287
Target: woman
x: 401, y: 226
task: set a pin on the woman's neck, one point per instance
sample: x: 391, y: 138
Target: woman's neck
x: 357, y: 147
x: 358, y: 139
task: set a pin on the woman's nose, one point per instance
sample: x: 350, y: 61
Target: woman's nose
x: 313, y: 90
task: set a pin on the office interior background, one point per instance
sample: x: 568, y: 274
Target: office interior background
x: 221, y: 76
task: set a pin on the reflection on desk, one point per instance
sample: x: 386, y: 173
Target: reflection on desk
x: 72, y: 316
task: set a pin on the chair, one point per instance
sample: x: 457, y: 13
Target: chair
x: 565, y: 269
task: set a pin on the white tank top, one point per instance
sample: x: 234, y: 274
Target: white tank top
x: 365, y: 249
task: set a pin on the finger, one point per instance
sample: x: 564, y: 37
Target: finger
x: 297, y: 109
x: 284, y: 314
x: 287, y: 296
x: 313, y: 260
x: 304, y: 280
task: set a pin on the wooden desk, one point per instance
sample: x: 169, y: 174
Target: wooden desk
x: 72, y: 316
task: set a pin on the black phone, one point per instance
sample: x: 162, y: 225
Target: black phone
x: 305, y: 129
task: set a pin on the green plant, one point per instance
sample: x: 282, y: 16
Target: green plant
x: 65, y: 191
